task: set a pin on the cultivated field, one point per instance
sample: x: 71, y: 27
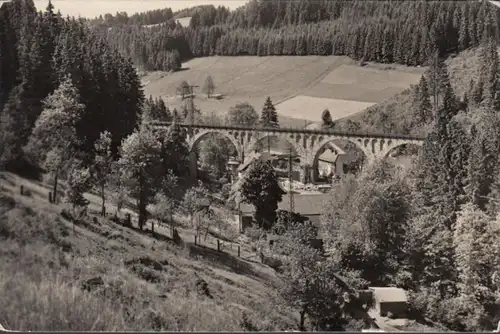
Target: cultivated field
x: 184, y: 21
x: 311, y: 108
x: 300, y: 87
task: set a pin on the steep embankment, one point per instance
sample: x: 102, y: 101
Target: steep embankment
x: 392, y: 115
x: 138, y: 281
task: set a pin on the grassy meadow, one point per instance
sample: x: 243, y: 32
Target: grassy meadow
x: 147, y: 282
x: 300, y: 87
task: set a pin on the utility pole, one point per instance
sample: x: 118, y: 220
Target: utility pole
x: 191, y: 106
x: 290, y: 186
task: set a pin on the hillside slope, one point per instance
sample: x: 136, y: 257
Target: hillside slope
x: 392, y: 115
x: 140, y: 281
x: 300, y: 87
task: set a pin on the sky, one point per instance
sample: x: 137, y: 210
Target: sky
x: 93, y: 8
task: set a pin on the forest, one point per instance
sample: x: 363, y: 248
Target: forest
x: 38, y: 51
x: 403, y: 32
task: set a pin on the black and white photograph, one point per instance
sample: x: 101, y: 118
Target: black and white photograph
x: 250, y: 165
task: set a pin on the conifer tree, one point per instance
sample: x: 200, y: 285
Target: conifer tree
x: 269, y: 116
x: 423, y: 104
x: 437, y: 79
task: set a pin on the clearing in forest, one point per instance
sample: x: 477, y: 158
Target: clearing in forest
x: 252, y: 79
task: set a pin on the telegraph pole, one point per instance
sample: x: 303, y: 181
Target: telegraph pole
x: 191, y: 106
x: 290, y: 187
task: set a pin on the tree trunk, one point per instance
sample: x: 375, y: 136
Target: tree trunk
x: 302, y: 319
x: 153, y: 226
x: 103, y: 197
x: 142, y: 202
x: 54, y: 195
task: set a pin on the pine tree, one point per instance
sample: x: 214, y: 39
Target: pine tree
x: 489, y: 75
x: 15, y: 128
x: 483, y: 161
x: 438, y: 80
x: 269, y: 116
x: 476, y: 240
x: 174, y: 151
x: 423, y: 102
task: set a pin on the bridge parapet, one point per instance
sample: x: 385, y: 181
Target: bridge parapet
x: 288, y: 130
x: 307, y: 143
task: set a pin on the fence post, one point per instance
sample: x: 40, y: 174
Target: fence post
x: 128, y: 220
x: 22, y: 190
x: 238, y: 251
x: 195, y: 240
x: 218, y: 245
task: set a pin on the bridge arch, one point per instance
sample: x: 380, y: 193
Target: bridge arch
x: 252, y: 144
x: 198, y: 137
x: 360, y: 143
x: 398, y: 145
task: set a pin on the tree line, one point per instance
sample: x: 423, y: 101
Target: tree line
x: 404, y: 32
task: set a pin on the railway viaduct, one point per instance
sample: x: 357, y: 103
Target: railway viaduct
x: 308, y: 144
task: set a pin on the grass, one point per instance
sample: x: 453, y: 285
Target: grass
x: 296, y: 106
x: 148, y: 283
x: 252, y: 79
x: 393, y: 115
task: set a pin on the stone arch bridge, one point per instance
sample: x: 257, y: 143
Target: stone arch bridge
x: 308, y: 144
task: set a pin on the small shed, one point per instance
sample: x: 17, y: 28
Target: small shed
x: 390, y: 299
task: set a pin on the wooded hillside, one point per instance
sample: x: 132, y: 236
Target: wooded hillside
x: 404, y: 32
x: 37, y: 52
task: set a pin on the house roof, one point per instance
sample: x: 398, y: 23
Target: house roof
x: 389, y: 294
x: 305, y: 204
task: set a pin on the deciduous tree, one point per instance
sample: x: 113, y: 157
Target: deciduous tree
x: 309, y: 283
x: 141, y: 169
x: 54, y: 139
x: 243, y: 114
x: 209, y: 86
x: 326, y: 119
x: 79, y: 181
x: 261, y: 189
x: 184, y: 89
